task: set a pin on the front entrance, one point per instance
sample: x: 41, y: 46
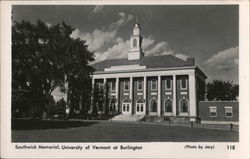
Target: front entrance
x: 126, y: 108
x: 140, y: 107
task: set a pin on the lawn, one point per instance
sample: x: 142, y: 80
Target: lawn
x: 104, y: 131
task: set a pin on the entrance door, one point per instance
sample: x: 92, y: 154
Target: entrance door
x: 126, y: 108
x: 140, y: 108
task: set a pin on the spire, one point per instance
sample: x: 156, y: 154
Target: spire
x: 136, y: 52
x: 136, y: 22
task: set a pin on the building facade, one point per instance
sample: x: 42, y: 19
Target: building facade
x: 219, y: 112
x: 148, y: 85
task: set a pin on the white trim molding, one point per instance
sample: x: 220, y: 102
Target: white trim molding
x: 143, y: 73
x: 164, y: 104
x: 192, y: 95
x: 137, y: 83
x: 150, y: 112
x: 183, y: 88
x: 188, y: 107
x: 151, y: 81
x: 213, y: 108
x: 219, y: 122
x: 226, y: 111
x: 125, y: 67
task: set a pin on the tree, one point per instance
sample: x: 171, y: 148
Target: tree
x: 222, y: 90
x: 45, y: 57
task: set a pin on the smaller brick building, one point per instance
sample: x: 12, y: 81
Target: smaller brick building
x: 219, y: 112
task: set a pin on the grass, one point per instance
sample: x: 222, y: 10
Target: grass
x: 92, y: 131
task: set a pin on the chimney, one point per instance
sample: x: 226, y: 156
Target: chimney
x: 191, y: 60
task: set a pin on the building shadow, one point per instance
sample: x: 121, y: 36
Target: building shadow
x: 33, y: 124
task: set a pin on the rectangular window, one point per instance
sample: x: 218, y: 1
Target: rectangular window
x: 113, y: 86
x: 153, y: 84
x: 183, y: 83
x: 139, y: 85
x: 229, y: 112
x: 126, y: 85
x: 168, y: 84
x: 213, y: 111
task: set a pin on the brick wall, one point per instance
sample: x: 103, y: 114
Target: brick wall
x: 166, y: 94
x: 204, y: 110
x: 181, y: 93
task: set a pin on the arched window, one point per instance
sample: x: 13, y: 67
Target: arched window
x: 134, y: 42
x: 153, y: 105
x: 168, y: 105
x: 139, y: 105
x: 184, y: 105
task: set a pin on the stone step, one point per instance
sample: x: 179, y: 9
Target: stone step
x: 180, y: 120
x: 165, y: 119
x: 123, y: 117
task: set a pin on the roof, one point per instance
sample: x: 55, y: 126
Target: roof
x: 163, y: 61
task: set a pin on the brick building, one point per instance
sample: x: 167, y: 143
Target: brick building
x: 219, y: 112
x: 149, y: 85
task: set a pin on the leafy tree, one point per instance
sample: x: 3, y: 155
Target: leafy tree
x: 222, y: 90
x: 45, y: 57
x: 98, y: 100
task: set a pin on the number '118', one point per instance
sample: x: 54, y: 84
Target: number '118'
x: 231, y: 147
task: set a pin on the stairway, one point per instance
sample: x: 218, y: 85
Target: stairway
x: 122, y: 117
x: 180, y: 119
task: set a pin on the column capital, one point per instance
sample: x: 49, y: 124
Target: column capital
x: 191, y: 74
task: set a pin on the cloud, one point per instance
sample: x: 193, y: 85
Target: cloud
x: 147, y: 42
x: 124, y: 18
x: 119, y: 50
x: 224, y: 60
x: 106, y: 44
x: 97, y: 8
x: 182, y: 56
x: 99, y: 38
x: 161, y: 48
x: 223, y: 65
x: 95, y: 40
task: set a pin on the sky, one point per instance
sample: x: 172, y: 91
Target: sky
x: 207, y: 32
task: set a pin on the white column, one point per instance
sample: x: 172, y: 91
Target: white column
x: 105, y: 94
x: 116, y: 92
x: 174, y: 95
x: 130, y: 87
x: 131, y: 93
x: 104, y: 81
x: 144, y: 92
x: 192, y: 96
x: 159, y: 97
x: 92, y: 93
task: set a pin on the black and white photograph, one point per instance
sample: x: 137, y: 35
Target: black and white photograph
x: 125, y: 73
